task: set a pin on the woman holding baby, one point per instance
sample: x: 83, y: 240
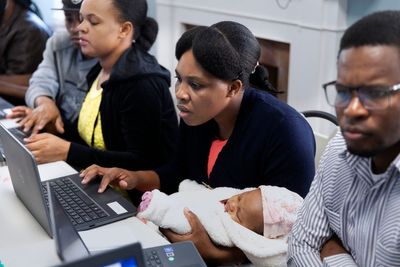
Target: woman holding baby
x: 231, y: 133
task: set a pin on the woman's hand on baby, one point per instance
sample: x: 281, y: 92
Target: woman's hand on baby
x: 115, y: 176
x: 198, y: 235
x: 212, y: 254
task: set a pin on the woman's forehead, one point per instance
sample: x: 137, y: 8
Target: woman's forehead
x: 188, y: 66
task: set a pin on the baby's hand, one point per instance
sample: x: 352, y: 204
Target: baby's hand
x: 146, y: 199
x: 143, y: 220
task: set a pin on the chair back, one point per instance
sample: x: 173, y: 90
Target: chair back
x: 321, y: 139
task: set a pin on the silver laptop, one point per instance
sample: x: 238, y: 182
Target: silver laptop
x: 73, y: 251
x: 85, y: 207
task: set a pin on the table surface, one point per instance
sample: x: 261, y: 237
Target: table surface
x: 23, y: 242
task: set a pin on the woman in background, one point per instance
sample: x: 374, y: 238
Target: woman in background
x: 128, y: 118
x: 230, y: 133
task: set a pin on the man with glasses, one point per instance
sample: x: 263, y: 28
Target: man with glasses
x: 351, y: 216
x: 57, y: 88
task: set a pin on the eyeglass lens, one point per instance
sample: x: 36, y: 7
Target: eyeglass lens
x: 371, y: 97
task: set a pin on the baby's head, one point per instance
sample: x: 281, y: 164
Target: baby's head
x: 267, y: 210
x: 246, y: 209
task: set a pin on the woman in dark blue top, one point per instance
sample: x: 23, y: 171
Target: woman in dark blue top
x: 266, y: 141
x: 270, y: 144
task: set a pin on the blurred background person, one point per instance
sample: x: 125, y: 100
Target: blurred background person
x: 23, y: 36
x: 57, y: 88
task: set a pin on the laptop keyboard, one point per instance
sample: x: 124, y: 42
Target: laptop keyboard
x: 19, y: 134
x: 2, y: 114
x: 79, y: 207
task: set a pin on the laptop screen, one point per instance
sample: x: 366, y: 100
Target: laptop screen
x: 124, y: 263
x: 69, y: 244
x: 25, y: 177
x: 126, y: 256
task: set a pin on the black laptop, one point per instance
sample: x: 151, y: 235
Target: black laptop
x: 85, y: 207
x: 71, y: 249
x: 18, y: 132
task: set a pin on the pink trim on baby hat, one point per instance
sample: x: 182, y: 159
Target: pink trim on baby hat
x: 279, y: 210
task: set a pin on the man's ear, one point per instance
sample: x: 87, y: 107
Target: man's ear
x: 126, y: 29
x: 235, y: 87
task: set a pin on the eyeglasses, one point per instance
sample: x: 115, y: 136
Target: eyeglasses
x: 373, y: 97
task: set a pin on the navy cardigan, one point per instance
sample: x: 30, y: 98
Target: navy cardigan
x: 271, y: 144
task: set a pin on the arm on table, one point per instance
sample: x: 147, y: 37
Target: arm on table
x: 14, y: 85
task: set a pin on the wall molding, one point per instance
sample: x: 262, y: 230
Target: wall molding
x: 167, y: 3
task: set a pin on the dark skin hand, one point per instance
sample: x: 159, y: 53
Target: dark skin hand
x: 44, y: 116
x: 212, y: 254
x: 332, y: 247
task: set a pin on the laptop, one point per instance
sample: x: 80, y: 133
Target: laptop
x: 4, y: 106
x: 71, y: 249
x: 85, y: 207
x: 18, y: 133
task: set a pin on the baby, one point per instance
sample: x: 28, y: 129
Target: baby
x: 256, y: 220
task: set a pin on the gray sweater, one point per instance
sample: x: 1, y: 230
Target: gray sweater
x: 61, y: 76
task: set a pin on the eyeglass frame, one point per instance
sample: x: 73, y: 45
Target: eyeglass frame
x: 387, y: 93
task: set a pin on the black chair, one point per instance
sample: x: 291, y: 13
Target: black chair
x: 321, y: 140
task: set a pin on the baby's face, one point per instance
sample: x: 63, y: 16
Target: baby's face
x: 246, y: 209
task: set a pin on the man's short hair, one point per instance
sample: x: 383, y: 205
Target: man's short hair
x: 380, y: 28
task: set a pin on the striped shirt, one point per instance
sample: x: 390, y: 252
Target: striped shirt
x: 346, y: 199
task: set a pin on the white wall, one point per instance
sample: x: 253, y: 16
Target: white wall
x: 311, y: 27
x: 53, y: 18
x: 44, y: 7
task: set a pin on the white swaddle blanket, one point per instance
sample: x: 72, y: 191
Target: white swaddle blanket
x: 166, y: 211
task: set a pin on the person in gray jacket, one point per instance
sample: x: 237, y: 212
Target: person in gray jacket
x: 57, y: 88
